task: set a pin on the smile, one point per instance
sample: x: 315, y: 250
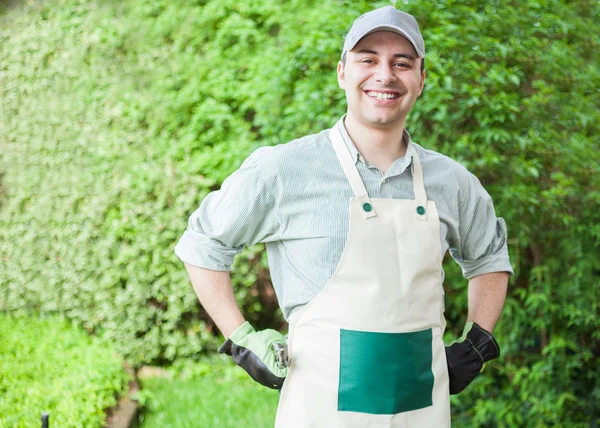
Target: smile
x: 382, y: 95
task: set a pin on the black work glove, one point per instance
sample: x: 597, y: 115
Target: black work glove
x: 467, y: 356
x: 253, y: 351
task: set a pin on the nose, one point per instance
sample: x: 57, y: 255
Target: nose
x: 385, y: 74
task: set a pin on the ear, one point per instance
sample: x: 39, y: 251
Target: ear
x: 341, y: 75
x: 423, y: 75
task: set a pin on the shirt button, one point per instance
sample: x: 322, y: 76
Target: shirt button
x: 367, y: 207
x: 384, y: 181
x: 420, y: 210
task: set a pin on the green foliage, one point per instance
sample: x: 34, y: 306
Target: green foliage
x: 119, y: 117
x: 49, y: 365
x: 515, y: 92
x: 211, y: 393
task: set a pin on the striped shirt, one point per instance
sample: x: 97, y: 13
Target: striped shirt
x: 294, y: 197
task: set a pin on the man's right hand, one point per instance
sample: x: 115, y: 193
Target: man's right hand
x: 253, y: 351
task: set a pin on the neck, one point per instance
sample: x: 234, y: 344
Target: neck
x: 378, y: 146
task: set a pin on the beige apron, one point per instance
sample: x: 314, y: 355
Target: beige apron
x: 367, y: 351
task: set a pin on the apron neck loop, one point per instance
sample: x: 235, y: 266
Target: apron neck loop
x: 358, y: 187
x: 349, y: 167
x: 418, y: 186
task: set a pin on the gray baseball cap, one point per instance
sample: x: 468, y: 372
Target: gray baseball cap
x: 386, y: 18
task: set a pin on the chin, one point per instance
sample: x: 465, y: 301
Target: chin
x: 383, y: 121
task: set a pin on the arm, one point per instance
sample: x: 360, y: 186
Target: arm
x: 467, y: 356
x: 487, y: 293
x: 243, y: 212
x: 215, y: 293
x: 251, y: 350
x: 479, y: 246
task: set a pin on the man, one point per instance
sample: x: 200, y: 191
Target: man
x: 356, y: 220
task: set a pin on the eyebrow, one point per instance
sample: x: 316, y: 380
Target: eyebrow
x: 397, y: 55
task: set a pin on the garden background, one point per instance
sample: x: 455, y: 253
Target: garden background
x: 118, y: 117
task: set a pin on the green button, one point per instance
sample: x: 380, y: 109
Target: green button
x: 420, y: 210
x: 367, y: 207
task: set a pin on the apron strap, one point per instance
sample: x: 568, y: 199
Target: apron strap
x: 351, y: 172
x: 420, y: 212
x: 358, y: 187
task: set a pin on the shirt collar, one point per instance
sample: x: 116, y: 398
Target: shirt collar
x: 356, y: 154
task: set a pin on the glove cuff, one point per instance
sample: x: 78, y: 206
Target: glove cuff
x: 483, y: 342
x: 242, y: 331
x: 226, y: 348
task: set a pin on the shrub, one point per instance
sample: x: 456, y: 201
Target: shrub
x: 49, y: 365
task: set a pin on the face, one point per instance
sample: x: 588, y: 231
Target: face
x: 382, y: 80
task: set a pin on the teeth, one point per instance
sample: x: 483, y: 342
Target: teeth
x: 381, y: 95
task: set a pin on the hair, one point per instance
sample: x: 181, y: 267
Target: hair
x: 422, y: 62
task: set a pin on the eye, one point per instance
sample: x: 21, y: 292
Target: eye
x: 402, y: 65
x: 366, y: 61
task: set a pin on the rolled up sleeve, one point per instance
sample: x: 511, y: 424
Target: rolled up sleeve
x: 481, y: 244
x: 240, y: 214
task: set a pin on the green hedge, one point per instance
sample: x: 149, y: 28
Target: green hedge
x: 49, y: 365
x: 119, y: 117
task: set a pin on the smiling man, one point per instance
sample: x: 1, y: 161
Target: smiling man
x: 382, y: 77
x: 356, y: 221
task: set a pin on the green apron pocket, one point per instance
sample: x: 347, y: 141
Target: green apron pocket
x: 385, y: 373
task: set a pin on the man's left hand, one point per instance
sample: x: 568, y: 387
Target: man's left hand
x: 467, y: 356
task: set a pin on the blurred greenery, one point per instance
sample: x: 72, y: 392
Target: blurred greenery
x: 49, y: 365
x: 117, y: 118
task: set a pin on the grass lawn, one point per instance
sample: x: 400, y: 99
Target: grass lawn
x: 208, y: 394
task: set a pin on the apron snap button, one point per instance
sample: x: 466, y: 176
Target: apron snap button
x: 367, y: 207
x: 420, y: 210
